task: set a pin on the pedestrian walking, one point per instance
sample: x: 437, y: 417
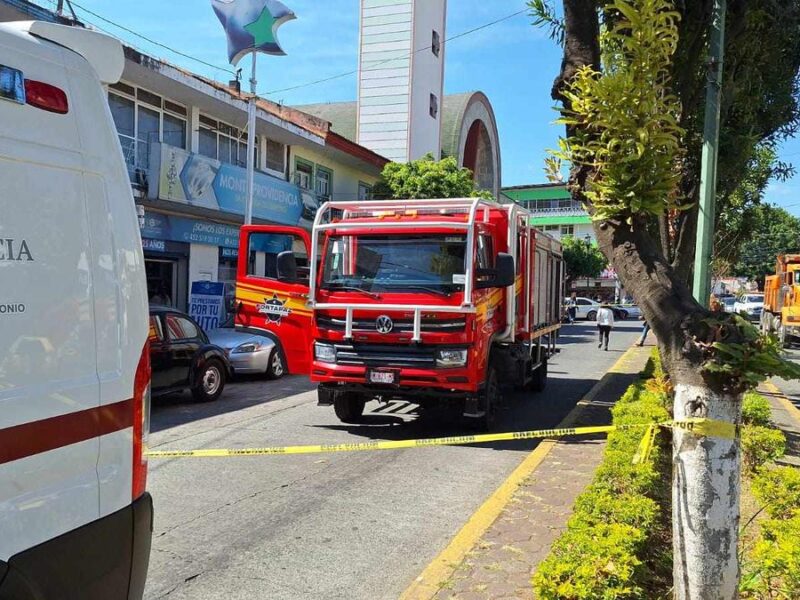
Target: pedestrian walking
x: 572, y: 307
x: 605, y: 321
x: 645, y: 331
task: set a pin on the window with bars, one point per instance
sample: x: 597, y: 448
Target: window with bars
x: 324, y: 184
x: 143, y: 118
x: 224, y: 143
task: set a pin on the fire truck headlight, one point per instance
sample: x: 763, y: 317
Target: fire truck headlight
x: 324, y: 352
x: 450, y: 357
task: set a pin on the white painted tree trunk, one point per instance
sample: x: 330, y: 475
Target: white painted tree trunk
x: 705, y: 499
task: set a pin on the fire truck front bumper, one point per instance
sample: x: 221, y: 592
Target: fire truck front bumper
x: 388, y: 370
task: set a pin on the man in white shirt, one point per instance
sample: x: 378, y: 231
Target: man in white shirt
x: 605, y: 321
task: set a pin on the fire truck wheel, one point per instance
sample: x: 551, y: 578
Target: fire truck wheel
x: 491, y: 401
x: 349, y: 407
x: 539, y: 380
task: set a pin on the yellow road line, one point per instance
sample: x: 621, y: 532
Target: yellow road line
x: 427, y: 584
x: 793, y: 411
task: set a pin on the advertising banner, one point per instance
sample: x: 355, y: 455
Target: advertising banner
x: 158, y: 227
x: 207, y: 303
x: 201, y: 181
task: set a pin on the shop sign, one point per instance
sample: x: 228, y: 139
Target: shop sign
x: 154, y: 245
x: 201, y: 181
x: 206, y: 303
x: 229, y: 253
x: 157, y: 227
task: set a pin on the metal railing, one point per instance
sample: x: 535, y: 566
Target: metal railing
x: 428, y: 215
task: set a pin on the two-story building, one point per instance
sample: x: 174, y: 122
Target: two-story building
x: 183, y: 137
x: 554, y: 211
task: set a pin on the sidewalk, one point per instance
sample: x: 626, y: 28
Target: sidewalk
x: 499, y: 565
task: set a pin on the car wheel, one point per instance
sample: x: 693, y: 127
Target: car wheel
x: 591, y: 315
x: 210, y: 382
x: 276, y: 367
x: 349, y: 407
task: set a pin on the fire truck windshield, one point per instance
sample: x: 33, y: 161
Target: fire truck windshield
x: 375, y: 263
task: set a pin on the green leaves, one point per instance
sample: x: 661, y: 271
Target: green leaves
x: 582, y: 258
x: 750, y: 359
x: 624, y: 119
x: 427, y: 178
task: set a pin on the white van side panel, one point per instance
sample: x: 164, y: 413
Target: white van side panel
x: 47, y: 352
x: 118, y: 273
x: 74, y: 348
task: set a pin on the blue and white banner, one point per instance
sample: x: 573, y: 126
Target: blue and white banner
x: 201, y: 181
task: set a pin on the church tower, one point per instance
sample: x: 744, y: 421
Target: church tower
x: 401, y: 77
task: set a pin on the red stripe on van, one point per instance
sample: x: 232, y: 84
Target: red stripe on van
x: 36, y: 437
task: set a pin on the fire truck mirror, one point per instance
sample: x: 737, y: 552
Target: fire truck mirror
x: 287, y: 266
x: 501, y: 276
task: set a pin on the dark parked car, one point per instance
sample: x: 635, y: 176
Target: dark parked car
x: 182, y: 357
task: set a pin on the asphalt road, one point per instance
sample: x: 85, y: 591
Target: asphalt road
x: 336, y: 526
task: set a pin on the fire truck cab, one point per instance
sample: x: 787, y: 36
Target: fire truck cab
x: 439, y: 302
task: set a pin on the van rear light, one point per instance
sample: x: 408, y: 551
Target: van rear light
x: 45, y: 96
x: 141, y: 422
x: 12, y: 85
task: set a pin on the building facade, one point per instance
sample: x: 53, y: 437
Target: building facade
x: 555, y: 212
x: 401, y: 111
x: 183, y: 139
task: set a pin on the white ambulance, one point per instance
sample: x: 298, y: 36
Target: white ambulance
x: 75, y: 520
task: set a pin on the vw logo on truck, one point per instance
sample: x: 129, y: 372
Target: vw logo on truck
x: 384, y: 324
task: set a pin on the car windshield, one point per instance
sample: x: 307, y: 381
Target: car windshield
x: 728, y: 301
x: 754, y: 298
x: 376, y: 263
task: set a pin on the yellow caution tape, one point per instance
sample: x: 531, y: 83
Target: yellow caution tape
x: 708, y: 427
x: 705, y: 427
x: 376, y: 445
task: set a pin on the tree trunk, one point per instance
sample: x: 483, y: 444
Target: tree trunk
x: 706, y: 470
x: 705, y: 499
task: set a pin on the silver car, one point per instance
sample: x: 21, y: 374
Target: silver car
x: 249, y: 353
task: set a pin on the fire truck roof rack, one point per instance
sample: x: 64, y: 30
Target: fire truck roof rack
x: 427, y: 213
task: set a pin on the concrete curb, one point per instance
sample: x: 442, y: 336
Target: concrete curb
x: 441, y: 568
x: 788, y: 405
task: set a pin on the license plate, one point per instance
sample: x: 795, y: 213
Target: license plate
x: 384, y: 377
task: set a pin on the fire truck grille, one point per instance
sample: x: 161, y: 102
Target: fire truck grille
x: 378, y: 355
x: 400, y: 325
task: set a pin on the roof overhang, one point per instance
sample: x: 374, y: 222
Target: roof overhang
x: 220, y: 101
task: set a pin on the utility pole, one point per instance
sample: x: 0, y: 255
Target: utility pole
x: 708, y: 175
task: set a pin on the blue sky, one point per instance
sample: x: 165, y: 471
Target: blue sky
x: 512, y: 62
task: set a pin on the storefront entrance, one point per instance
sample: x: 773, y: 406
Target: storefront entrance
x: 166, y: 266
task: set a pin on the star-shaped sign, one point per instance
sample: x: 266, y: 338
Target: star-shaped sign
x: 261, y: 29
x: 251, y: 25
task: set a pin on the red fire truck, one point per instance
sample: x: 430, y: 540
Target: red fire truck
x: 438, y: 302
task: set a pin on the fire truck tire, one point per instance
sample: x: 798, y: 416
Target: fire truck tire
x: 349, y: 407
x: 539, y: 380
x: 490, y: 401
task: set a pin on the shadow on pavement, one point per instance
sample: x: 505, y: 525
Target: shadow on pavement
x: 523, y: 411
x: 243, y: 392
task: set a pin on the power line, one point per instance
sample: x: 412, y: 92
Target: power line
x: 152, y: 41
x: 295, y: 87
x: 388, y: 60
